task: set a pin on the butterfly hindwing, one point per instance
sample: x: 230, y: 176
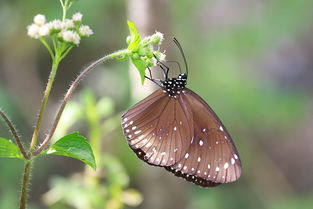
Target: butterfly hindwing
x: 212, y: 157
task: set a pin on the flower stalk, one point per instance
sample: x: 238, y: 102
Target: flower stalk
x: 70, y: 91
x: 53, y: 72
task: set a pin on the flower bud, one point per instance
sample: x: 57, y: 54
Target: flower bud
x: 40, y: 19
x: 77, y: 17
x: 33, y: 31
x: 85, y: 31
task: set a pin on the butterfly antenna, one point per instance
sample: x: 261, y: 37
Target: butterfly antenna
x: 182, y: 52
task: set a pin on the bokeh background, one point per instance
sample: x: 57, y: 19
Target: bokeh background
x: 251, y: 60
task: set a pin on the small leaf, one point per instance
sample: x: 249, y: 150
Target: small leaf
x: 141, y: 67
x: 75, y: 146
x: 9, y: 149
x: 135, y: 37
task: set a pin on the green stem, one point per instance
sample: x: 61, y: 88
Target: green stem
x: 25, y: 183
x: 64, y: 10
x: 70, y: 92
x: 44, y: 103
x: 43, y: 41
x: 14, y: 134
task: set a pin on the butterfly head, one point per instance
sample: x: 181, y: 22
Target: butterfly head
x: 175, y: 86
x: 182, y: 77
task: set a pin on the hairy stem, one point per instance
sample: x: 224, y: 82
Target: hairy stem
x: 25, y: 183
x: 70, y: 92
x: 14, y: 134
x: 44, y: 103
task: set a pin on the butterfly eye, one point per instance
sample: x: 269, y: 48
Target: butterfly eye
x: 183, y: 76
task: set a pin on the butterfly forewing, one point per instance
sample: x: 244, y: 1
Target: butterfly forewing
x: 158, y: 129
x: 212, y: 157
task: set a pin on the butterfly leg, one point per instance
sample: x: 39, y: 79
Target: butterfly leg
x: 162, y: 66
x: 153, y: 80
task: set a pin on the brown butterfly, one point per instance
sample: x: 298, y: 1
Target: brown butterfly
x: 176, y: 129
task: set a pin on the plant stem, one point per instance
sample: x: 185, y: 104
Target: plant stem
x: 44, y: 102
x: 14, y: 134
x: 25, y: 183
x: 70, y: 92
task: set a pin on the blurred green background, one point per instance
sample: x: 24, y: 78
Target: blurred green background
x: 251, y: 60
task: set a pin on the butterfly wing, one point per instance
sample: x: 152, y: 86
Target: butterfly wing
x: 212, y: 157
x: 158, y: 129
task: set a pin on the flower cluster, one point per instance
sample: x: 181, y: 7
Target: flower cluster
x: 68, y: 30
x: 145, y: 51
x: 141, y: 51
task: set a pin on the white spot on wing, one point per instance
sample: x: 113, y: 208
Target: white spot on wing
x: 217, y: 169
x: 186, y: 155
x: 185, y: 167
x: 209, y: 166
x: 201, y: 143
x: 138, y: 132
x: 199, y: 159
x: 134, y: 127
x: 232, y: 160
x: 175, y: 128
x: 226, y: 165
x: 221, y: 128
x: 235, y: 156
x: 203, y: 130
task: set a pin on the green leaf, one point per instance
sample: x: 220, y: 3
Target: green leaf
x: 75, y: 146
x: 9, y: 149
x: 135, y: 37
x: 141, y: 67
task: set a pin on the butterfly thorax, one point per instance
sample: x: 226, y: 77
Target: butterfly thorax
x: 174, y: 86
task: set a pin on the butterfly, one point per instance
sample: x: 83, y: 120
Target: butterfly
x: 176, y: 129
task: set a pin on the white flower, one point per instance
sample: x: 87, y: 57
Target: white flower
x: 77, y: 17
x: 68, y: 24
x: 44, y: 30
x: 162, y: 56
x: 70, y: 36
x: 33, y: 31
x: 55, y: 25
x: 157, y: 37
x: 85, y: 30
x: 154, y: 61
x: 40, y: 19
